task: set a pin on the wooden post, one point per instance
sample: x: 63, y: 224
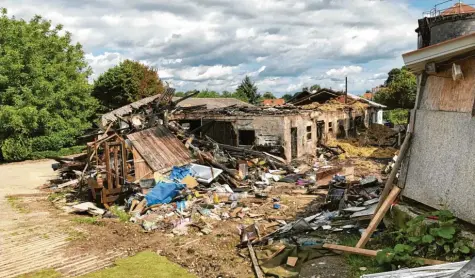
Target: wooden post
x: 397, y: 165
x: 370, y: 253
x: 116, y: 165
x: 378, y: 217
x: 108, y: 165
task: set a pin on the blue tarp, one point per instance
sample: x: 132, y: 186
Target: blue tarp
x: 164, y: 192
x: 178, y: 173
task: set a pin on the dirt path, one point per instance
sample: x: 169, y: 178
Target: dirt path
x: 31, y: 240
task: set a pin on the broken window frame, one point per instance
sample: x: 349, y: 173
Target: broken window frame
x: 241, y: 136
x: 309, y: 132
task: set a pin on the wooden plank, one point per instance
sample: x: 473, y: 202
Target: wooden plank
x: 142, y: 170
x: 116, y: 166
x: 378, y: 217
x: 370, y: 253
x: 255, y: 264
x: 394, y: 171
x: 108, y: 165
x: 442, y: 93
x: 124, y: 162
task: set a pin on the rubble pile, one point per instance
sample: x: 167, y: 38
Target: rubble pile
x: 381, y: 136
x: 164, y: 179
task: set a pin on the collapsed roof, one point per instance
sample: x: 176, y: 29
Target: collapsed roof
x: 323, y: 95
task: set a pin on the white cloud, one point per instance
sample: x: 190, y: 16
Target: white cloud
x: 344, y: 71
x: 283, y: 44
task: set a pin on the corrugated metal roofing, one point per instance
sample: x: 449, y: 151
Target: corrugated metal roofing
x: 160, y: 148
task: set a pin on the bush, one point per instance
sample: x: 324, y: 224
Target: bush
x: 15, y: 149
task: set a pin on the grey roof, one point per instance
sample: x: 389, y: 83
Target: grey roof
x: 212, y: 103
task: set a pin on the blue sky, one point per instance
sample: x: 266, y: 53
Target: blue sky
x: 283, y: 45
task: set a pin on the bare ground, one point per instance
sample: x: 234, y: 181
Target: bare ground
x: 31, y: 236
x: 36, y: 235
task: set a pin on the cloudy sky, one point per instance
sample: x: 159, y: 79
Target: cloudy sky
x: 283, y: 45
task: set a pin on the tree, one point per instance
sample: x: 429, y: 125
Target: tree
x: 248, y: 89
x: 268, y: 95
x: 125, y: 83
x: 315, y: 87
x: 391, y: 75
x: 179, y: 94
x: 208, y: 94
x: 226, y: 94
x: 400, y: 90
x: 45, y: 98
x: 287, y: 97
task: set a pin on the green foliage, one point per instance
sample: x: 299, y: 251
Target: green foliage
x: 397, y: 256
x: 179, y: 94
x: 125, y: 83
x: 208, y: 94
x: 315, y: 87
x: 248, y: 90
x: 45, y: 99
x: 287, y: 97
x: 123, y: 215
x: 397, y: 116
x: 438, y: 239
x: 268, y: 95
x: 399, y: 91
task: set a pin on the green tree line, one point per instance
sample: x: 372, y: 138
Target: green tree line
x: 46, y: 101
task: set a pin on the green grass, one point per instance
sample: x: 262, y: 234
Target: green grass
x: 55, y: 195
x: 75, y: 235
x: 143, y: 265
x: 356, y: 261
x: 88, y: 220
x: 44, y: 273
x: 123, y: 216
x: 15, y: 204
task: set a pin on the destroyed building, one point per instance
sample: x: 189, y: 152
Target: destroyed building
x: 288, y: 131
x: 291, y: 131
x: 338, y: 114
x: 439, y: 170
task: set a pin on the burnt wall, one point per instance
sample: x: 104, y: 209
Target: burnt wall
x: 442, y: 28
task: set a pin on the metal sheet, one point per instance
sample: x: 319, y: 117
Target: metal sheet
x: 160, y: 148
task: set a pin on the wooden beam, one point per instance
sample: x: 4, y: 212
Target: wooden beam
x: 370, y: 253
x: 255, y: 264
x: 116, y: 165
x: 108, y: 165
x: 378, y: 216
x: 394, y: 171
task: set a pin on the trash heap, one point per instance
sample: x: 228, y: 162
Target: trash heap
x: 164, y: 179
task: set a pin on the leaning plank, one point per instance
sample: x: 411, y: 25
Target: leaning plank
x: 257, y: 268
x: 394, y: 171
x: 370, y: 253
x: 378, y: 217
x: 434, y: 271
